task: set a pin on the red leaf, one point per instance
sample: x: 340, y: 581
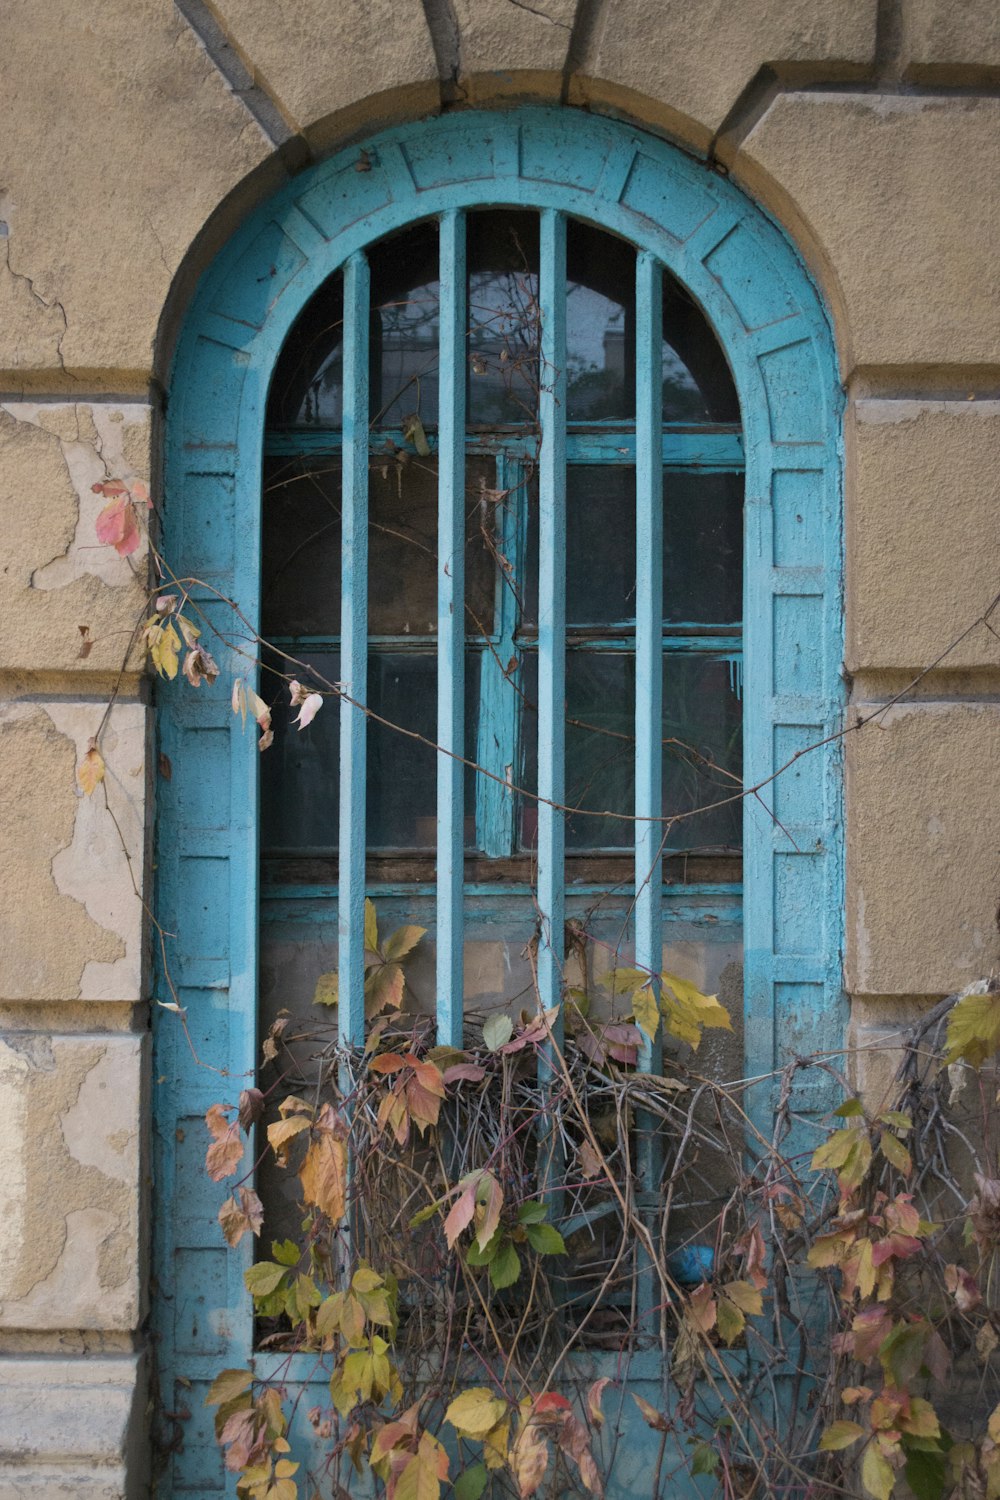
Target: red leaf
x: 471, y: 1072
x: 389, y: 1062
x: 460, y: 1214
x: 116, y: 525
x: 551, y: 1402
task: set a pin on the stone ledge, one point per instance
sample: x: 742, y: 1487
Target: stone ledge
x: 72, y: 1427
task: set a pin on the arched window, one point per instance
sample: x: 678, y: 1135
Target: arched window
x: 521, y: 429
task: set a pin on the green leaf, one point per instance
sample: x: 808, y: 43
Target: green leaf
x: 532, y: 1212
x: 974, y: 1029
x: 840, y: 1435
x: 471, y: 1482
x: 422, y: 1215
x: 835, y: 1150
x: 497, y: 1029
x: 545, y: 1239
x: 704, y: 1459
x: 898, y: 1119
x: 227, y: 1385
x: 505, y: 1267
x: 902, y: 1352
x: 327, y: 991
x: 263, y: 1278
x: 925, y: 1473
x: 286, y: 1252
x: 850, y: 1109
x: 475, y: 1256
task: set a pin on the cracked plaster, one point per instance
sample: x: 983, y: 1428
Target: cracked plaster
x: 72, y: 921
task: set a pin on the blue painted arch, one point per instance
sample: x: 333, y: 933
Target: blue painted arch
x: 772, y: 325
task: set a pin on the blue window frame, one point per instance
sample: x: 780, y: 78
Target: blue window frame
x: 689, y: 228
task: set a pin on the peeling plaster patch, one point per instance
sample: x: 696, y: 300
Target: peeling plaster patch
x: 13, y: 1113
x: 95, y: 442
x: 72, y: 1260
x: 882, y: 412
x: 93, y: 868
x: 48, y: 935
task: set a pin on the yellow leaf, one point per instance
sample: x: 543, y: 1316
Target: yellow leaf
x: 840, y: 1435
x: 876, y: 1473
x: 475, y: 1412
x: 164, y: 644
x: 327, y: 991
x: 90, y: 771
x: 746, y: 1296
x: 729, y: 1321
x: 281, y: 1132
x: 402, y: 942
x: 646, y: 1011
x: 974, y: 1029
x: 371, y: 926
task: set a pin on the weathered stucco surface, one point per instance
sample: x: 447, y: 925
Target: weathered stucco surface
x: 897, y: 197
x: 71, y: 921
x: 689, y: 64
x: 923, y: 532
x: 923, y: 834
x: 940, y: 37
x: 70, y: 1194
x: 121, y: 138
x: 498, y: 58
x: 320, y: 61
x: 56, y: 577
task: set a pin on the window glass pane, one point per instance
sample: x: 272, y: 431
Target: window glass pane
x: 308, y: 385
x: 301, y: 573
x: 502, y: 258
x: 299, y: 773
x: 702, y: 547
x: 600, y: 326
x: 702, y: 750
x: 405, y: 327
x: 697, y: 382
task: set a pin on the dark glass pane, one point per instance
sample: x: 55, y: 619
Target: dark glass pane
x: 702, y: 752
x: 300, y: 772
x: 600, y: 326
x: 405, y: 327
x: 402, y: 776
x: 502, y: 258
x: 301, y: 583
x: 702, y: 548
x: 308, y: 385
x: 299, y: 787
x: 697, y: 382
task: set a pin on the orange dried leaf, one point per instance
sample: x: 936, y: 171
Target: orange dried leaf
x: 90, y: 772
x: 324, y: 1175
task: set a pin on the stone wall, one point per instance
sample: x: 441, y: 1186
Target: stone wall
x: 137, y: 132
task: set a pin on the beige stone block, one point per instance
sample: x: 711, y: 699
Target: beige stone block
x: 942, y: 41
x: 71, y: 920
x: 894, y: 201
x: 71, y: 1189
x: 876, y: 1038
x: 923, y: 835
x: 923, y: 532
x: 510, y: 50
x: 56, y: 576
x: 683, y: 67
x: 328, y: 64
x: 120, y: 139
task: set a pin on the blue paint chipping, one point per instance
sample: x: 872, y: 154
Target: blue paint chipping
x: 769, y: 319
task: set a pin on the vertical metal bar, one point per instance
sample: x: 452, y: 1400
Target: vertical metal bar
x: 552, y: 605
x: 648, y: 630
x: 499, y: 681
x: 451, y: 630
x: 354, y: 654
x: 648, y: 722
